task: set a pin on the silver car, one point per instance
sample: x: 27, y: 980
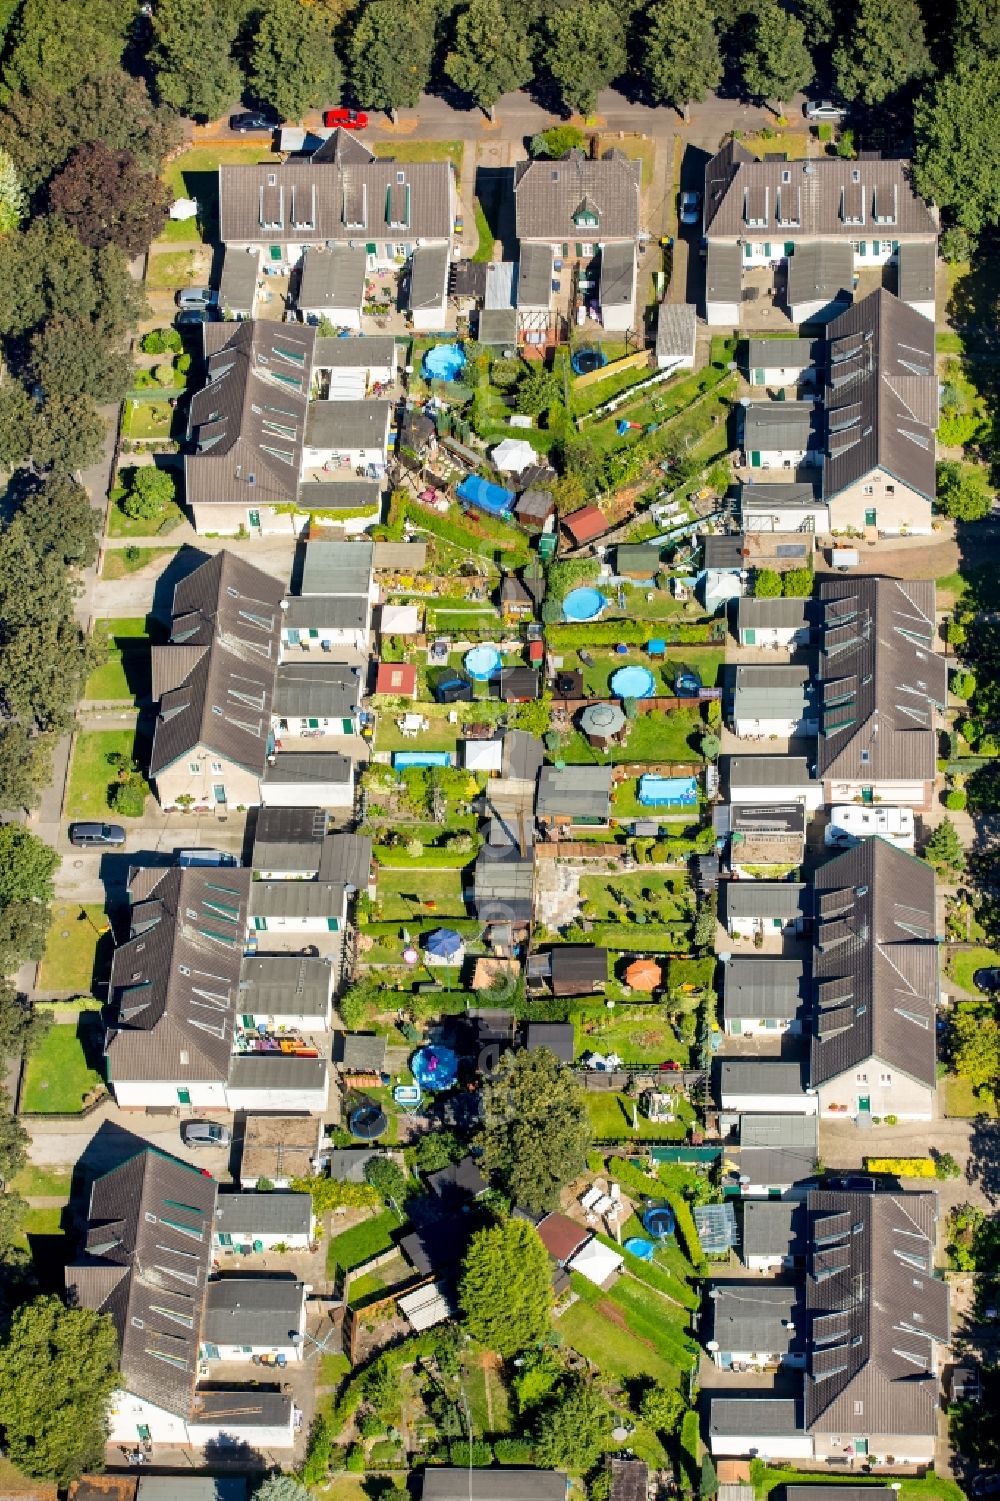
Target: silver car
x: 205, y: 1134
x: 824, y: 109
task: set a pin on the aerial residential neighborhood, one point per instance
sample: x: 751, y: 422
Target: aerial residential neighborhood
x: 499, y: 704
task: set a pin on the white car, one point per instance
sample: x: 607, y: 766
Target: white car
x: 824, y: 109
x: 690, y: 208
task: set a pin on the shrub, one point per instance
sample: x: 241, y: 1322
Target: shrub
x: 687, y: 1234
x: 963, y: 684
x: 555, y: 141
x: 128, y: 799
x: 482, y: 1454
x: 512, y: 1451
x: 824, y: 132
x: 767, y: 584
x: 690, y: 1438
x: 956, y: 800
x: 945, y: 1166
x: 152, y: 343
x: 901, y: 1167
x: 355, y: 1462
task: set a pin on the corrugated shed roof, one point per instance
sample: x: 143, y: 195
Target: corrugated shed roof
x: 319, y: 200
x: 347, y: 859
x: 785, y: 899
x: 574, y: 792
x: 777, y: 424
x: 819, y: 196
x: 146, y: 1260
x: 880, y: 680
x: 765, y: 1076
x: 215, y: 678
x: 781, y: 354
x: 175, y: 983
x: 356, y: 352
x: 772, y: 692
x: 247, y: 421
x: 238, y: 283
x: 676, y: 328
x: 506, y: 1484
x: 313, y: 769
x: 880, y: 403
x: 872, y: 1367
x: 577, y: 199
x: 278, y: 1071
x: 746, y: 1316
x: 875, y: 963
x: 297, y: 899
x: 747, y: 1417
x: 773, y: 1227
x: 767, y: 771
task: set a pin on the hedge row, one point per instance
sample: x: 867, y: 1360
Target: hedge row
x: 687, y: 1234
x: 901, y: 1167
x: 690, y: 1441
x: 632, y: 632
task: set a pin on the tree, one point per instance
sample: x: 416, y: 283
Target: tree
x: 956, y: 163
x: 956, y: 800
x: 534, y: 716
x: 59, y: 519
x: 963, y: 684
x: 505, y: 1292
x: 67, y: 432
x: 45, y: 270
x: 945, y: 1165
x: 585, y: 50
x: 957, y: 245
x: 536, y: 1128
x: 387, y: 1178
x: 797, y: 583
x: 293, y: 65
x: 41, y: 128
x: 662, y: 1408
x: 574, y: 1428
x: 492, y: 52
x: 975, y: 1048
x: 975, y: 28
x: 437, y: 1149
x: 556, y: 141
x: 882, y: 52
x: 16, y: 413
x: 767, y: 584
x: 27, y: 865
x: 944, y: 848
x: 681, y: 58
x: 538, y: 390
x: 195, y: 77
x: 66, y: 359
x: 777, y: 63
x: 58, y: 1368
x: 18, y: 1025
x: 12, y: 200
x: 108, y: 199
x: 150, y: 491
x: 60, y: 41
x: 709, y: 1481
x: 25, y: 765
x: 281, y: 1488
x: 963, y: 492
x: 13, y: 1140
x: 391, y: 53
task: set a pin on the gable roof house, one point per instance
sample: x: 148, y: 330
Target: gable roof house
x: 880, y: 682
x: 879, y: 418
x: 213, y: 684
x: 145, y: 1261
x: 875, y: 985
x: 769, y: 211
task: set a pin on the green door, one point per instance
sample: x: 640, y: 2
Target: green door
x: 260, y: 924
x: 876, y: 246
x: 371, y: 248
x: 333, y: 924
x: 864, y: 1104
x: 312, y: 724
x: 184, y: 1097
x: 142, y: 1429
x: 868, y: 796
x: 758, y: 377
x: 210, y: 1352
x: 774, y: 1193
x: 737, y: 1027
x: 347, y: 726
x: 750, y: 636
x: 767, y: 249
x: 871, y: 517
x: 861, y: 1446
x: 253, y: 517
x: 225, y: 1239
x: 863, y: 247
x: 789, y: 247
x: 249, y: 1025
x: 755, y: 458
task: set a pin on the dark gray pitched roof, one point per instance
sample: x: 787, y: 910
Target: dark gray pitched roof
x: 766, y: 771
x: 296, y: 899
x: 248, y: 1409
x: 875, y: 964
x: 275, y: 1213
x: 328, y: 690
x: 146, y: 1259
x: 285, y: 985
x: 916, y: 264
x: 342, y: 612
x: 777, y: 424
x: 252, y: 1311
x: 820, y: 272
x: 332, y: 278
x: 348, y: 424
x: 780, y: 1149
x: 548, y: 194
x: 770, y: 692
x: 175, y: 983
x: 277, y: 1071
x: 880, y: 404
x: 723, y: 274
x: 777, y: 614
x: 768, y: 1417
x: 785, y: 899
x: 458, y: 1182
x: 215, y: 679
x: 428, y: 276
x: 775, y: 1227
x: 578, y: 968
x: 781, y: 353
x: 318, y: 200
x: 444, y: 1484
x: 238, y: 283
x: 363, y: 1052
x: 523, y: 755
x: 556, y: 1036
x: 871, y: 1362
x: 764, y: 1076
x: 758, y: 987
x: 337, y: 567
x: 629, y: 1479
x: 796, y: 494
x: 503, y: 885
x: 310, y: 768
x: 574, y: 791
x: 880, y: 680
x: 247, y: 421
x: 343, y: 146
x: 534, y: 276
x: 288, y: 838
x: 358, y: 352
x: 348, y: 1164
x: 748, y: 1316
x: 825, y: 196
x: 618, y: 271
x: 346, y: 858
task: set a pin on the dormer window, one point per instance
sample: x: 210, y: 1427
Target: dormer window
x: 884, y: 205
x: 587, y: 215
x: 755, y: 207
x: 852, y: 203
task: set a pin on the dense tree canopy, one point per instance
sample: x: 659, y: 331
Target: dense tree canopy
x: 574, y: 1428
x: 776, y: 64
x: 883, y: 50
x: 391, y: 51
x: 585, y: 50
x: 682, y: 59
x: 58, y: 1368
x: 45, y: 270
x: 536, y: 1128
x: 957, y: 160
x: 66, y: 360
x: 975, y: 1048
x: 293, y: 65
x: 506, y: 1288
x: 58, y: 42
x: 58, y: 517
x: 109, y: 199
x: 192, y: 56
x: 964, y: 492
x: 491, y: 54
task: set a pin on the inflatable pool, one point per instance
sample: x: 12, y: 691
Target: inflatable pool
x: 435, y: 1068
x: 482, y: 662
x: 659, y: 1222
x: 444, y: 362
x: 583, y: 604
x: 633, y: 682
x: 638, y: 1245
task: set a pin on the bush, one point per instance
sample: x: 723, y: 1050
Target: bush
x: 556, y: 141
x: 687, y: 1234
x: 797, y: 583
x: 957, y: 245
x: 766, y: 584
x: 690, y: 1439
x: 963, y: 684
x: 128, y: 799
x: 956, y: 800
x: 902, y: 1167
x: 824, y: 132
x: 512, y: 1451
x: 355, y: 1462
x: 482, y: 1454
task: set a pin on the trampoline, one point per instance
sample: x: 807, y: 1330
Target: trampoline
x: 633, y: 682
x: 586, y: 361
x: 368, y: 1122
x: 482, y: 662
x: 435, y: 1068
x: 638, y: 1245
x: 659, y: 1222
x: 687, y: 683
x: 444, y: 362
x: 583, y: 604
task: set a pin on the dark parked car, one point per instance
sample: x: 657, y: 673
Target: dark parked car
x: 986, y: 1484
x: 252, y: 119
x: 87, y: 835
x: 205, y: 1134
x: 192, y: 317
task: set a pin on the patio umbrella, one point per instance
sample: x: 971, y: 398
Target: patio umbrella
x: 513, y: 455
x: 444, y: 943
x: 643, y: 974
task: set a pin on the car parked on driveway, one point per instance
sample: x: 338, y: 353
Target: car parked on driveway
x: 690, y: 208
x: 190, y: 317
x: 196, y: 297
x: 824, y: 109
x: 205, y: 1134
x: 252, y: 119
x: 347, y: 119
x: 90, y: 835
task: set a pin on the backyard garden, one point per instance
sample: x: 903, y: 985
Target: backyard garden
x: 62, y: 1070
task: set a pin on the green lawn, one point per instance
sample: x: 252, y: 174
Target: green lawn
x: 659, y: 896
x: 962, y: 965
x: 631, y: 1330
x: 422, y: 151
x: 706, y: 660
x: 125, y: 675
x: 961, y: 1101
x: 370, y: 1287
x: 173, y: 268
x: 484, y: 249
x: 119, y: 562
x: 611, y: 1120
x: 670, y: 737
x: 356, y: 1246
x: 78, y: 949
x: 439, y: 736
x: 147, y: 419
x: 639, y: 1031
x: 193, y: 174
x: 120, y: 525
x: 43, y: 1182
x: 404, y: 894
x: 930, y: 1487
x: 58, y: 1075
x: 91, y: 776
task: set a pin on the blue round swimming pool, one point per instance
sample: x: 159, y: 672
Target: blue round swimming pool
x: 638, y: 1245
x: 482, y: 662
x: 585, y: 361
x: 633, y: 682
x: 444, y: 362
x: 659, y: 1222
x: 583, y: 604
x: 434, y: 1067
